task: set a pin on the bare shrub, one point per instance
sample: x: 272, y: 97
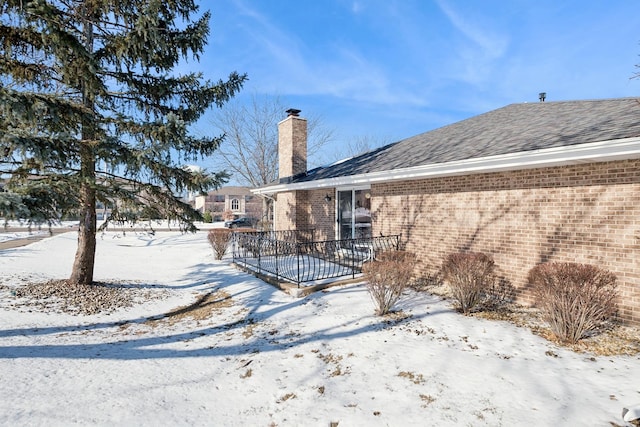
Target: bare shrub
x: 219, y: 239
x: 387, y: 276
x: 469, y: 275
x: 575, y: 299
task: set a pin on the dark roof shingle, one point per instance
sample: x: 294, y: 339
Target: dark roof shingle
x: 511, y: 129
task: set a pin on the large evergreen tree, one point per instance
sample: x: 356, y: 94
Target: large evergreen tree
x: 92, y: 110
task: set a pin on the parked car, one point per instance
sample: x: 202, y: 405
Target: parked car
x: 240, y: 222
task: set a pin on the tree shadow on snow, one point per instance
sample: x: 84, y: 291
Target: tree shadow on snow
x: 260, y: 305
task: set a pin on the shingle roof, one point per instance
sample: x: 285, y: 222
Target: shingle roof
x: 511, y: 129
x: 231, y: 191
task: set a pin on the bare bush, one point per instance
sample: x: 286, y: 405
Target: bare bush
x: 574, y: 298
x: 219, y: 239
x: 469, y: 276
x: 387, y: 276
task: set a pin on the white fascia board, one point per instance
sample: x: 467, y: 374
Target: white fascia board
x: 603, y: 151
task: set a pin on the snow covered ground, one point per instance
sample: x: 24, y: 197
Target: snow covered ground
x: 17, y: 235
x: 259, y: 357
x: 16, y: 230
x: 19, y: 229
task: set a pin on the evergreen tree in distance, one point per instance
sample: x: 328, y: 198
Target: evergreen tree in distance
x: 92, y: 109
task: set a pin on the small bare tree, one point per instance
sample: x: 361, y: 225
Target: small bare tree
x: 387, y: 277
x: 250, y: 148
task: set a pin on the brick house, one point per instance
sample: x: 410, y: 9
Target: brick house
x: 527, y: 183
x: 230, y: 200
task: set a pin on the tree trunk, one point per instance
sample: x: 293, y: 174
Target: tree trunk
x: 83, y: 264
x: 82, y: 272
x: 267, y: 218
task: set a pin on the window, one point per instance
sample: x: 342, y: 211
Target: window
x: 235, y: 204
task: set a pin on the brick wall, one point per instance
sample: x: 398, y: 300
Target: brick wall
x: 320, y: 214
x: 583, y: 213
x: 285, y: 211
x: 303, y: 210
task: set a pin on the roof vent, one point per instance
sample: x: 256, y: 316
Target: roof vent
x: 292, y: 112
x: 542, y: 96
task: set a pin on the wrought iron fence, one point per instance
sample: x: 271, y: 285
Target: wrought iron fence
x: 305, y: 235
x: 294, y: 256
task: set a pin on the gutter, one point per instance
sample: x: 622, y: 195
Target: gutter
x: 593, y: 152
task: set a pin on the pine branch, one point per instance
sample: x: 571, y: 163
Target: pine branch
x: 87, y: 85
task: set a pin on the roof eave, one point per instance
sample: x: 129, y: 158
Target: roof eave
x: 602, y: 151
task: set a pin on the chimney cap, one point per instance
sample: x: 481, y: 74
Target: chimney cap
x: 292, y: 112
x: 542, y: 96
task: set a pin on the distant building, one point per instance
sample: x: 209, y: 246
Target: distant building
x: 191, y: 195
x: 229, y: 202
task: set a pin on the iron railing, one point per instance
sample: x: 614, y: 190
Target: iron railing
x: 295, y: 257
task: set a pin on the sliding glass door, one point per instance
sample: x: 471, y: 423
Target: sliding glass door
x: 345, y: 209
x: 354, y: 213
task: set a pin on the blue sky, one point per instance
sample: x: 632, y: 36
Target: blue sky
x: 392, y: 69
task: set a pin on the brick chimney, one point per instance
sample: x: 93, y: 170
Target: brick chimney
x: 292, y: 146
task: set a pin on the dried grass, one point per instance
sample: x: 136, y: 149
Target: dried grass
x: 202, y: 309
x: 610, y: 339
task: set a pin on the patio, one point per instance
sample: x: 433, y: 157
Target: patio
x: 293, y: 256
